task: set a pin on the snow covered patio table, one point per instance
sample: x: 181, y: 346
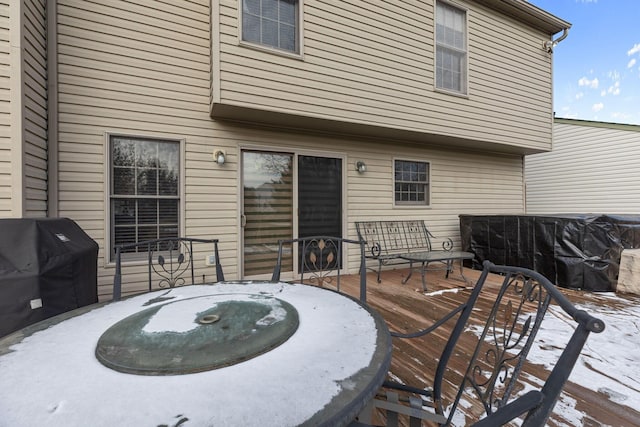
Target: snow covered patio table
x: 332, y: 358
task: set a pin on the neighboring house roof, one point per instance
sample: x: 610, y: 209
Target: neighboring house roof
x: 596, y: 124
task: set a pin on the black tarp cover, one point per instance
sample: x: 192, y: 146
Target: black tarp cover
x: 47, y: 266
x: 574, y: 251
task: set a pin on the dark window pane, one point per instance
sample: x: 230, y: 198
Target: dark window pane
x: 168, y: 211
x: 147, y: 182
x: 147, y: 154
x: 124, y: 181
x: 269, y: 32
x: 287, y: 37
x: 168, y: 156
x: 123, y: 152
x: 270, y: 9
x: 123, y: 211
x: 147, y: 233
x: 288, y: 12
x: 125, y: 235
x: 168, y: 231
x: 251, y: 6
x: 147, y: 211
x: 167, y: 182
x: 251, y: 28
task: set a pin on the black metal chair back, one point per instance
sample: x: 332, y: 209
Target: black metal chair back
x: 321, y: 259
x: 170, y: 261
x: 506, y: 335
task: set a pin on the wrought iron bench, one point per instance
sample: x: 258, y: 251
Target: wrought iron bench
x: 407, y: 241
x: 170, y: 261
x: 491, y: 379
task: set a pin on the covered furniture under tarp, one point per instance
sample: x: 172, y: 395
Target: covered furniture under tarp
x: 574, y: 251
x: 48, y: 266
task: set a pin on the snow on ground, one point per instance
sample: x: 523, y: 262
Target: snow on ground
x: 609, y: 361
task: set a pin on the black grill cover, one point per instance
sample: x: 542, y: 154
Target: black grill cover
x: 574, y: 251
x: 47, y: 266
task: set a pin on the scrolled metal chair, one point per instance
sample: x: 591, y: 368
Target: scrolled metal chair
x: 169, y: 260
x: 321, y: 259
x: 492, y: 378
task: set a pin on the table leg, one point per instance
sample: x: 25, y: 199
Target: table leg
x: 462, y: 276
x: 424, y: 274
x: 410, y: 273
x: 467, y: 281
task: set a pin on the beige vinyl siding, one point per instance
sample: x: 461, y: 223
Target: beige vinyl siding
x: 23, y: 109
x: 462, y: 182
x: 35, y: 103
x: 137, y: 68
x: 143, y: 69
x: 6, y: 109
x: 593, y: 168
x: 372, y: 63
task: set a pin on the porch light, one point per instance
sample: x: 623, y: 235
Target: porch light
x: 219, y: 157
x: 361, y: 167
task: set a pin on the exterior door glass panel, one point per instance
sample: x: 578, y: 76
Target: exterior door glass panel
x: 267, y: 209
x: 319, y: 198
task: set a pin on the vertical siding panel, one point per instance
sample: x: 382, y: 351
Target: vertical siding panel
x: 5, y: 112
x: 35, y: 100
x: 593, y: 168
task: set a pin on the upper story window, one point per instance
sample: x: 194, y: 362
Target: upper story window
x: 411, y: 183
x: 451, y: 48
x: 144, y: 194
x: 271, y: 23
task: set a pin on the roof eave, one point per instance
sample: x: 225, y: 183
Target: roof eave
x: 528, y: 13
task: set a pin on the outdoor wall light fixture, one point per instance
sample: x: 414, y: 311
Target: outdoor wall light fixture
x: 361, y: 167
x: 219, y: 157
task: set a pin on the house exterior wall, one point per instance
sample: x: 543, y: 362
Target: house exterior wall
x: 35, y: 108
x: 374, y: 66
x: 593, y: 168
x: 6, y: 113
x: 23, y: 109
x: 129, y: 68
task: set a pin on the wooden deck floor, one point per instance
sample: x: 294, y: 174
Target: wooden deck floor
x: 406, y: 308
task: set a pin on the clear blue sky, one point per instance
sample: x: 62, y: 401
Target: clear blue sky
x: 597, y: 67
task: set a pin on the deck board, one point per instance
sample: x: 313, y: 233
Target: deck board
x: 407, y: 308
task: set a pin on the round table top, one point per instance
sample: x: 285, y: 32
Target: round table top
x: 323, y: 374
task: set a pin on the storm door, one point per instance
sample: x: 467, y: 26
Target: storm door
x: 284, y: 196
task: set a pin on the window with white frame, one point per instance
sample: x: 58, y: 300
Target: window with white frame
x: 144, y: 189
x: 272, y: 23
x: 451, y: 48
x: 411, y: 183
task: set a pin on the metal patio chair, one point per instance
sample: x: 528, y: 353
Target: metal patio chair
x: 169, y: 261
x: 321, y: 260
x: 492, y: 377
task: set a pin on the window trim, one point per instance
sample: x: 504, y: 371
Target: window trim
x: 109, y: 259
x: 393, y: 184
x: 465, y: 93
x: 269, y: 49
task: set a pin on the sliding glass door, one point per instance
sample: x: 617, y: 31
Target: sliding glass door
x: 284, y: 196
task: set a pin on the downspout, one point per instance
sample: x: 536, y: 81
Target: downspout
x: 550, y: 44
